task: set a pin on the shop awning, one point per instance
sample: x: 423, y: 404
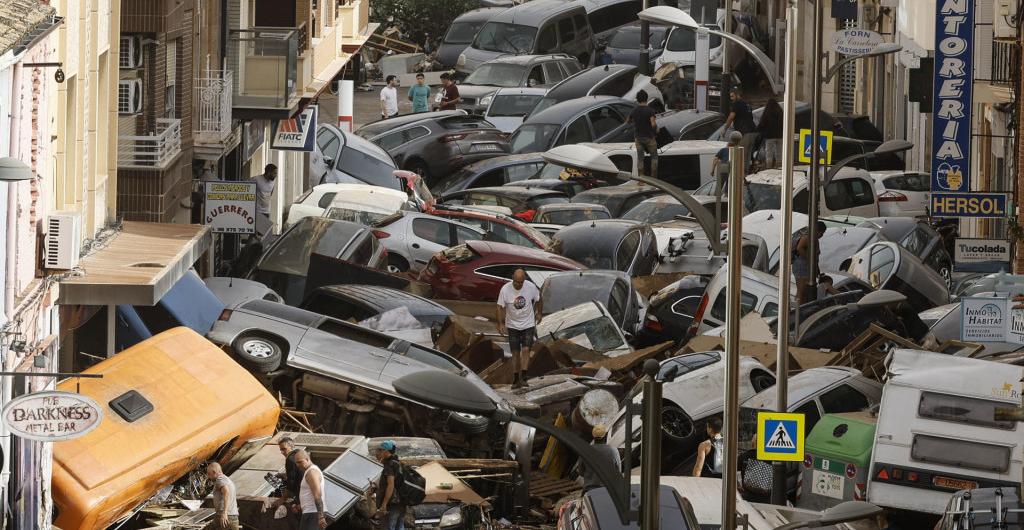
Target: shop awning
x: 138, y: 265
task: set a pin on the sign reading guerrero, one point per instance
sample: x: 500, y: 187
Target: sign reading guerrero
x: 52, y: 416
x: 951, y: 128
x: 231, y: 207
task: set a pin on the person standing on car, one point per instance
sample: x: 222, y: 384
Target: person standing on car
x: 225, y: 503
x: 711, y: 452
x: 645, y: 130
x: 265, y: 185
x: 609, y: 453
x: 805, y: 292
x: 389, y: 98
x: 720, y: 164
x: 449, y: 93
x: 388, y: 503
x: 742, y: 120
x: 419, y: 95
x: 770, y: 128
x: 311, y: 494
x: 519, y: 310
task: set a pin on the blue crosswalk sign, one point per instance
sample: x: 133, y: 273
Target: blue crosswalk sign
x: 824, y: 146
x: 780, y: 436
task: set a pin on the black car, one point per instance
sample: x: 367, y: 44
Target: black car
x: 670, y: 311
x: 522, y: 201
x: 614, y: 244
x: 691, y: 124
x: 608, y: 80
x: 588, y: 119
x: 496, y: 171
x: 624, y: 44
x: 919, y: 238
x: 614, y: 289
x: 362, y: 302
x: 433, y: 144
x: 461, y: 33
x: 594, y: 510
x: 618, y: 199
x: 284, y: 265
x: 833, y: 328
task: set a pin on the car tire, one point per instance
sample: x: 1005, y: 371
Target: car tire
x: 675, y: 423
x: 258, y: 351
x: 396, y: 263
x: 420, y: 168
x: 762, y: 382
x: 469, y: 423
x: 946, y: 271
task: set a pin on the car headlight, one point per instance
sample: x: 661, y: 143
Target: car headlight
x: 461, y: 61
x: 452, y: 517
x: 486, y: 100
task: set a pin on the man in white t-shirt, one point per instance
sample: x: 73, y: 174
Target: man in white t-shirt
x: 389, y: 98
x: 519, y: 310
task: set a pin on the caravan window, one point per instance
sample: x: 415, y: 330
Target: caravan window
x: 960, y: 409
x: 960, y: 453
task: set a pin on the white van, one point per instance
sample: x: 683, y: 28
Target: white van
x: 851, y: 192
x: 321, y: 198
x: 937, y: 432
x: 685, y: 164
x: 759, y: 292
x: 681, y: 45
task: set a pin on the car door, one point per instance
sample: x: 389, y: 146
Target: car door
x: 552, y: 74
x: 626, y: 252
x: 605, y: 122
x: 430, y: 236
x: 537, y: 76
x: 854, y: 196
x: 578, y: 131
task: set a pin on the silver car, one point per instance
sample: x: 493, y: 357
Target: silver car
x: 270, y: 337
x: 412, y: 238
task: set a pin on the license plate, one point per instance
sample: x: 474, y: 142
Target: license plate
x: 827, y: 484
x: 485, y: 148
x: 954, y: 483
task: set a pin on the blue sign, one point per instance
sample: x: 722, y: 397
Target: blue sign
x: 983, y: 205
x: 951, y: 118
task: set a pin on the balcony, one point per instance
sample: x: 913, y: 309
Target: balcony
x: 214, y: 131
x: 1005, y: 62
x: 263, y: 64
x: 154, y: 151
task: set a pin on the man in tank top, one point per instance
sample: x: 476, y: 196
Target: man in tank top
x: 311, y: 494
x: 225, y: 503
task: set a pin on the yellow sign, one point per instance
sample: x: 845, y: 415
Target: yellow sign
x: 780, y: 437
x: 824, y: 145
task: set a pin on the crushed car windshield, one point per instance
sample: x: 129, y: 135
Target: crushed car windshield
x: 599, y: 334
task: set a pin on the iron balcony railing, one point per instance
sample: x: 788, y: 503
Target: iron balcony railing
x: 152, y: 151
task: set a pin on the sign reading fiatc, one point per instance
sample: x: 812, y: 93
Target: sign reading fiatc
x: 52, y: 416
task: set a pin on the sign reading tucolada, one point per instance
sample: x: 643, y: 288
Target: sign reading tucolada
x: 855, y: 41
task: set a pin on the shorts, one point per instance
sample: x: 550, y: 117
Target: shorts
x: 521, y: 338
x: 309, y: 521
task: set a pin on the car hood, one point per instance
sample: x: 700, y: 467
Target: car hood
x: 476, y: 91
x: 448, y: 54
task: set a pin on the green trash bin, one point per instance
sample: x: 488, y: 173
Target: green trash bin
x: 837, y: 460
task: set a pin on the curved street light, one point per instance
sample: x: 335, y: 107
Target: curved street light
x: 841, y: 513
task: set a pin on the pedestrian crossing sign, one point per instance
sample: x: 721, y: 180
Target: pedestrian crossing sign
x: 824, y: 146
x: 780, y: 436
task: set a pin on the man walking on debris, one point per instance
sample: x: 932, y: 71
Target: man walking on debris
x: 311, y: 494
x: 519, y: 310
x: 388, y: 502
x: 224, y: 501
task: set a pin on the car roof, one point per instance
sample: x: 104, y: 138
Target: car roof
x: 670, y: 513
x: 604, y: 275
x: 892, y: 228
x: 521, y: 91
x: 535, y: 12
x: 803, y: 385
x: 528, y: 59
x: 676, y: 147
x: 384, y: 298
x: 519, y: 192
x: 545, y: 184
x: 624, y: 189
x: 504, y: 160
x: 561, y: 112
x: 518, y: 253
x: 564, y: 206
x: 379, y: 127
x: 682, y: 118
x: 483, y: 13
x: 581, y: 83
x: 586, y: 236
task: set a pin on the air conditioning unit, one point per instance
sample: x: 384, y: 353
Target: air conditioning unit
x: 63, y: 240
x: 1004, y: 20
x: 130, y: 52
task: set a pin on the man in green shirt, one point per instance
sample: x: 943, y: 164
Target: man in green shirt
x: 419, y: 94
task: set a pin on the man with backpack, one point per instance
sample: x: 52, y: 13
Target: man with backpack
x: 399, y: 487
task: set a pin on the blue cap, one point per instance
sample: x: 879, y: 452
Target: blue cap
x: 388, y: 445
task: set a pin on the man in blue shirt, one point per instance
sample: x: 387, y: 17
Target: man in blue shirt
x: 419, y: 94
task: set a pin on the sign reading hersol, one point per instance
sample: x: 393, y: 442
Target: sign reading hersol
x: 231, y: 207
x: 52, y: 416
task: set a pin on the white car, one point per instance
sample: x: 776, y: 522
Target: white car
x: 412, y: 238
x: 589, y: 325
x: 510, y: 106
x: 314, y: 202
x: 902, y: 193
x: 680, y: 45
x: 365, y: 204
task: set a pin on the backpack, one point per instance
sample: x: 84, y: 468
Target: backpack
x: 411, y: 487
x: 718, y: 460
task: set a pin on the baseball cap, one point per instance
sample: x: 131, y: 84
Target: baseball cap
x: 388, y: 445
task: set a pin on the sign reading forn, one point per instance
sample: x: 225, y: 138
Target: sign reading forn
x: 855, y: 41
x: 230, y: 207
x: 952, y: 90
x: 52, y: 416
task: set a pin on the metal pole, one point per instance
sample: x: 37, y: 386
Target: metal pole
x: 645, y: 45
x: 732, y: 342
x: 814, y: 178
x: 650, y: 449
x: 785, y: 244
x: 111, y: 329
x: 726, y: 83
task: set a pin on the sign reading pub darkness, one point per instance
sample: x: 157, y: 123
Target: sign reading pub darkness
x: 951, y: 118
x: 51, y: 416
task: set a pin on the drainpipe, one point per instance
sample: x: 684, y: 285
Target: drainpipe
x: 12, y: 196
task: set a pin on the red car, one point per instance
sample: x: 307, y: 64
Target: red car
x: 477, y: 270
x: 502, y: 227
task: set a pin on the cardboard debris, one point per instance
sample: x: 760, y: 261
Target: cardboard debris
x: 460, y: 331
x: 753, y: 327
x: 488, y: 310
x: 436, y: 475
x: 621, y: 365
x: 869, y: 350
x: 799, y: 358
x: 648, y: 285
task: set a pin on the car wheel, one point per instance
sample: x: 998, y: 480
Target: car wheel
x: 675, y: 423
x: 469, y: 423
x: 420, y: 168
x: 397, y: 264
x: 761, y: 382
x: 258, y: 351
x: 947, y: 275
